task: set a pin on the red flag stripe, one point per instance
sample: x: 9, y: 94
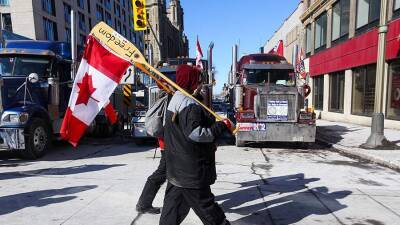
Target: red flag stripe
x: 72, y: 129
x: 110, y: 113
x: 104, y: 60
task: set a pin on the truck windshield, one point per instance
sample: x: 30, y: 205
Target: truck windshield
x: 24, y: 65
x: 282, y: 77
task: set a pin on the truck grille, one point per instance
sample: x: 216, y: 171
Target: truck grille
x: 278, y: 108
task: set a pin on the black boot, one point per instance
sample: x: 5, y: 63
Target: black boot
x: 149, y: 209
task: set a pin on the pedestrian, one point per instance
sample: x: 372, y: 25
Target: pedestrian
x: 153, y: 184
x: 154, y: 181
x: 190, y: 135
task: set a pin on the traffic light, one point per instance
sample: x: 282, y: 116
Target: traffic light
x: 139, y: 14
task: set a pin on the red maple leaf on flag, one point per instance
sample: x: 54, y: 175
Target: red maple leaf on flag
x: 86, y: 90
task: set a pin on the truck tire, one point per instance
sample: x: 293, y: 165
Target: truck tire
x: 37, y: 141
x: 239, y: 143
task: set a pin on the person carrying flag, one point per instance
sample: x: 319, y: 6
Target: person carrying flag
x: 190, y: 135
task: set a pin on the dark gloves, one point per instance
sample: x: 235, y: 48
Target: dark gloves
x: 218, y: 128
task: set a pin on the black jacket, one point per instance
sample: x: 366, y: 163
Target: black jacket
x: 190, y: 143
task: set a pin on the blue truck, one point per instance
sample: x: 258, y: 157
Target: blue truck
x: 35, y: 84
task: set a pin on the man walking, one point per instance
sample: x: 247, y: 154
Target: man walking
x: 190, y: 135
x: 153, y: 184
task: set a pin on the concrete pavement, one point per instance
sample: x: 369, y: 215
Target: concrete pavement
x: 347, y: 138
x: 270, y: 184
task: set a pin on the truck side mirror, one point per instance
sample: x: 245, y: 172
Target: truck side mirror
x: 33, y: 78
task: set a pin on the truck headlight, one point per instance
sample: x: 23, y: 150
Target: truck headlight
x: 15, y: 117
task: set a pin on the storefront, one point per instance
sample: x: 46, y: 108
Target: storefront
x: 348, y: 70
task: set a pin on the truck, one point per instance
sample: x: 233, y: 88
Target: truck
x: 35, y: 86
x: 152, y: 91
x: 268, y: 102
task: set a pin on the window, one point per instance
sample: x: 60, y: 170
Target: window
x: 108, y: 19
x: 340, y: 19
x: 108, y: 4
x: 82, y: 23
x: 99, y: 13
x: 49, y: 7
x: 363, y: 90
x: 50, y: 30
x: 82, y: 40
x: 123, y: 16
x: 367, y: 12
x: 7, y: 24
x: 4, y: 2
x: 68, y: 35
x: 393, y: 104
x: 308, y: 38
x: 396, y: 8
x: 318, y: 93
x: 81, y: 4
x: 320, y: 31
x: 117, y: 10
x: 336, y: 92
x: 88, y: 6
x: 67, y: 13
x: 396, y: 5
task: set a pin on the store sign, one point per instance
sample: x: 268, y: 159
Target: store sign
x: 396, y: 91
x: 277, y: 110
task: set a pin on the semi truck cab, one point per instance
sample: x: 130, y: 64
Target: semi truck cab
x: 35, y: 86
x: 268, y: 103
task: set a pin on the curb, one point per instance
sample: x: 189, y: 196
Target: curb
x: 358, y: 152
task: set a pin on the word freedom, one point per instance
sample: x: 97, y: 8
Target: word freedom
x: 119, y: 41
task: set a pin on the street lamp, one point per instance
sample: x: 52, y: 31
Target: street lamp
x: 377, y: 137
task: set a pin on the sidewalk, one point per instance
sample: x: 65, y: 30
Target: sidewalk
x: 347, y: 138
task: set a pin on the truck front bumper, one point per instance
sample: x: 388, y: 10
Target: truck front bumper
x: 139, y: 131
x: 12, y: 138
x: 276, y: 132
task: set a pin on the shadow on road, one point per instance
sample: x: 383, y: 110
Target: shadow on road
x: 90, y: 148
x: 333, y: 133
x: 286, y: 199
x: 57, y: 171
x: 39, y: 198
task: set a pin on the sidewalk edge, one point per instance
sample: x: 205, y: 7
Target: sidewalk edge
x: 358, y: 152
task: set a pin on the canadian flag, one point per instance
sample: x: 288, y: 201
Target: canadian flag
x: 199, y: 55
x: 278, y: 49
x: 98, y: 75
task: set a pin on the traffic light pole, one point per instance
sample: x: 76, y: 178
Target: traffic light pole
x: 377, y: 137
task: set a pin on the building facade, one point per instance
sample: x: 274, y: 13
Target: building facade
x: 167, y: 23
x: 291, y: 33
x: 50, y: 19
x: 341, y: 42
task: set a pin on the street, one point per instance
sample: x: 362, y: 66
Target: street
x: 100, y: 182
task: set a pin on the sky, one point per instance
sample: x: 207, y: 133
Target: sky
x: 248, y: 23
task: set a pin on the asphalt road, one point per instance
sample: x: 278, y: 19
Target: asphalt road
x: 100, y: 182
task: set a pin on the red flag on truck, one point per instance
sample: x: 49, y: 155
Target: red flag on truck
x: 199, y: 55
x: 98, y: 75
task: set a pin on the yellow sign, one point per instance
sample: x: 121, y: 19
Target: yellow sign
x: 139, y: 14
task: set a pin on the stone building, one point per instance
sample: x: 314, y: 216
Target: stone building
x: 167, y: 23
x: 341, y: 42
x: 50, y: 19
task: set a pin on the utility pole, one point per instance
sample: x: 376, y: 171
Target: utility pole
x: 377, y: 137
x: 1, y: 31
x: 73, y: 45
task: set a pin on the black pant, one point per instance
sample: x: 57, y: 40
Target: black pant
x: 178, y: 201
x: 153, y: 184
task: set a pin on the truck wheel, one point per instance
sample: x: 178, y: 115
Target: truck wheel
x: 239, y: 143
x: 38, y: 140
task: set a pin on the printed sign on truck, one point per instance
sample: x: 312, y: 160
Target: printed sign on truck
x: 277, y: 110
